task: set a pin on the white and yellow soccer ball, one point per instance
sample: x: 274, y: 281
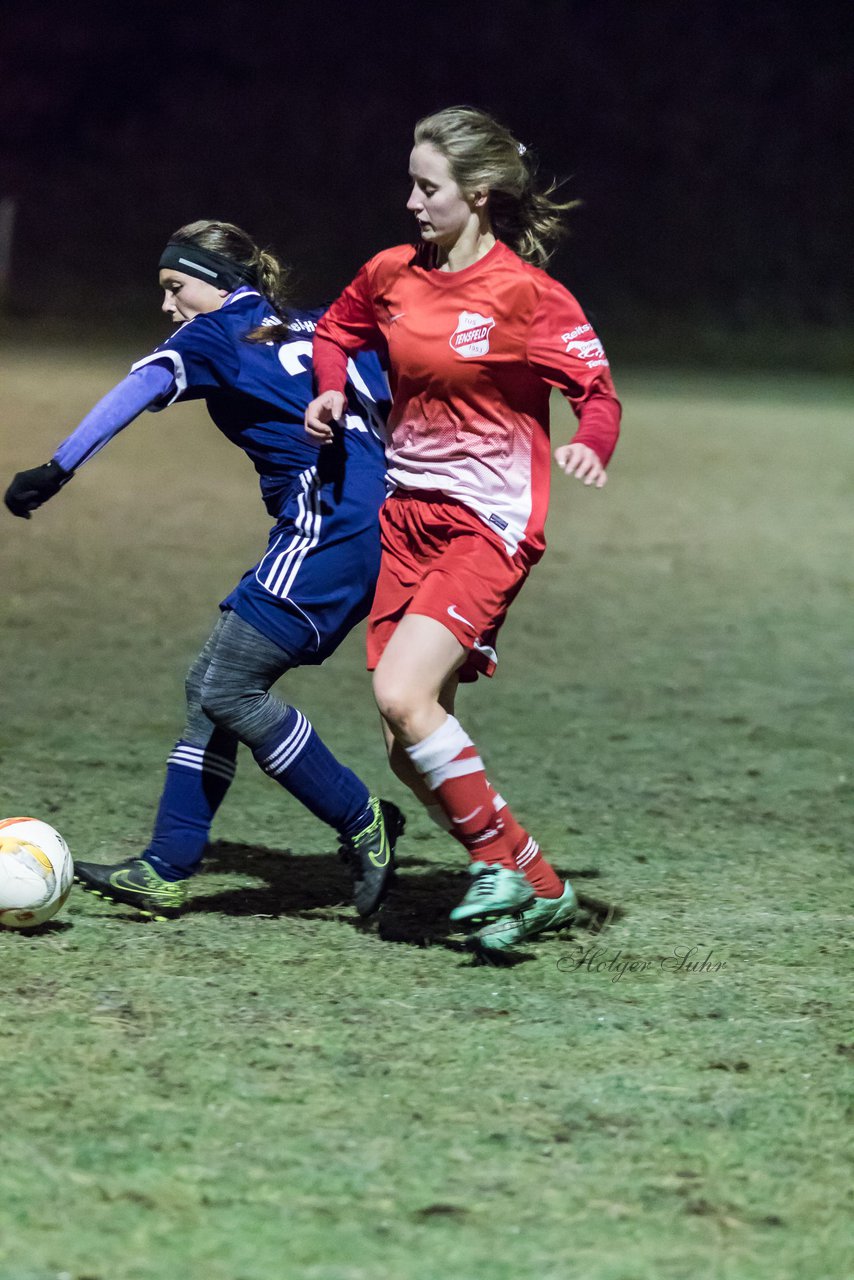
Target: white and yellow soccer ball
x: 36, y: 873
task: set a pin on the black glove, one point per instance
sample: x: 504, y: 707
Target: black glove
x: 30, y: 489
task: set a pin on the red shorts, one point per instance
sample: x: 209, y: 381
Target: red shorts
x: 440, y: 560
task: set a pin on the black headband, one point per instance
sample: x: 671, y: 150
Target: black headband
x: 214, y: 268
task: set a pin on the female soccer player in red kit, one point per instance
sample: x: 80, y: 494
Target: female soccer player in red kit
x: 476, y: 335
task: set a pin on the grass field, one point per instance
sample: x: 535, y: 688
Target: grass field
x: 265, y: 1089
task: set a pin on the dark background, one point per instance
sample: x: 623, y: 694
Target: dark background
x: 711, y: 144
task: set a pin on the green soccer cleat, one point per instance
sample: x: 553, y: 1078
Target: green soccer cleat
x: 494, y: 891
x: 542, y: 914
x: 134, y: 883
x: 370, y: 855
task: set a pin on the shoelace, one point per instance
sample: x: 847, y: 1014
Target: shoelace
x: 366, y: 834
x: 152, y: 883
x: 483, y: 885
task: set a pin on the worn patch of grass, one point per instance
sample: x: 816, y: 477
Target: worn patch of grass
x: 266, y: 1088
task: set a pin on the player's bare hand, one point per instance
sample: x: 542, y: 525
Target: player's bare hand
x: 322, y: 412
x: 580, y: 461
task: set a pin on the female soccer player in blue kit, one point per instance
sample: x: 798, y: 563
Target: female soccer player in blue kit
x: 312, y: 585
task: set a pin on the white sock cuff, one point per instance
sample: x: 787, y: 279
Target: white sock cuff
x: 440, y: 747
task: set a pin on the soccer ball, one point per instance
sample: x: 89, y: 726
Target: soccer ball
x: 36, y: 873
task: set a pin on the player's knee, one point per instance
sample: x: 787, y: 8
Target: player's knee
x: 387, y: 697
x: 213, y: 705
x: 222, y: 705
x: 401, y: 707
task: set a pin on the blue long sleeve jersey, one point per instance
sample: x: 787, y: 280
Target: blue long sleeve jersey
x: 256, y: 393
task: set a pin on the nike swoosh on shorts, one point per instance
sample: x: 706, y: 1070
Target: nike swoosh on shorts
x: 459, y: 617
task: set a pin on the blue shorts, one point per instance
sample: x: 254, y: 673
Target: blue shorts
x: 316, y: 579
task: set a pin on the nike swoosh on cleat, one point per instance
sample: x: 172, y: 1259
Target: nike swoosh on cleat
x: 379, y: 859
x: 118, y: 883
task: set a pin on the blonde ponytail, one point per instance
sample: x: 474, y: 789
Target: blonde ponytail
x: 482, y: 153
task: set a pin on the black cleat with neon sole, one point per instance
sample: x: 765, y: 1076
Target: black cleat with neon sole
x: 370, y: 855
x: 133, y: 883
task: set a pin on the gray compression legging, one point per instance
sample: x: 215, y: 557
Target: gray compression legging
x: 228, y: 685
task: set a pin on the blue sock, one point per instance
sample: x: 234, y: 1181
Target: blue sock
x: 297, y: 758
x: 197, y: 779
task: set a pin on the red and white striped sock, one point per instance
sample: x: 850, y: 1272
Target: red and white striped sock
x: 539, y: 872
x: 527, y: 854
x: 449, y: 763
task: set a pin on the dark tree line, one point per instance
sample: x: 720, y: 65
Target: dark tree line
x: 710, y: 142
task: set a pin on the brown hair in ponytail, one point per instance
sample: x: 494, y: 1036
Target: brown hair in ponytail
x: 271, y: 275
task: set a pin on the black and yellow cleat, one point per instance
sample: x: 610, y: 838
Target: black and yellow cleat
x: 370, y: 855
x: 134, y: 883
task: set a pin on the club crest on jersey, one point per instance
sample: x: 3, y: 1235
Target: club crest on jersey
x: 471, y: 336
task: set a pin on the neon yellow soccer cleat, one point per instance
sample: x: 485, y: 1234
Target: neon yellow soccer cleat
x: 134, y: 883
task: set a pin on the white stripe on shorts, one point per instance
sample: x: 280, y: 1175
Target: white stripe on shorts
x: 279, y: 578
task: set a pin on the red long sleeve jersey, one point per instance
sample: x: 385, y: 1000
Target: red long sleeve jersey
x: 472, y: 357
